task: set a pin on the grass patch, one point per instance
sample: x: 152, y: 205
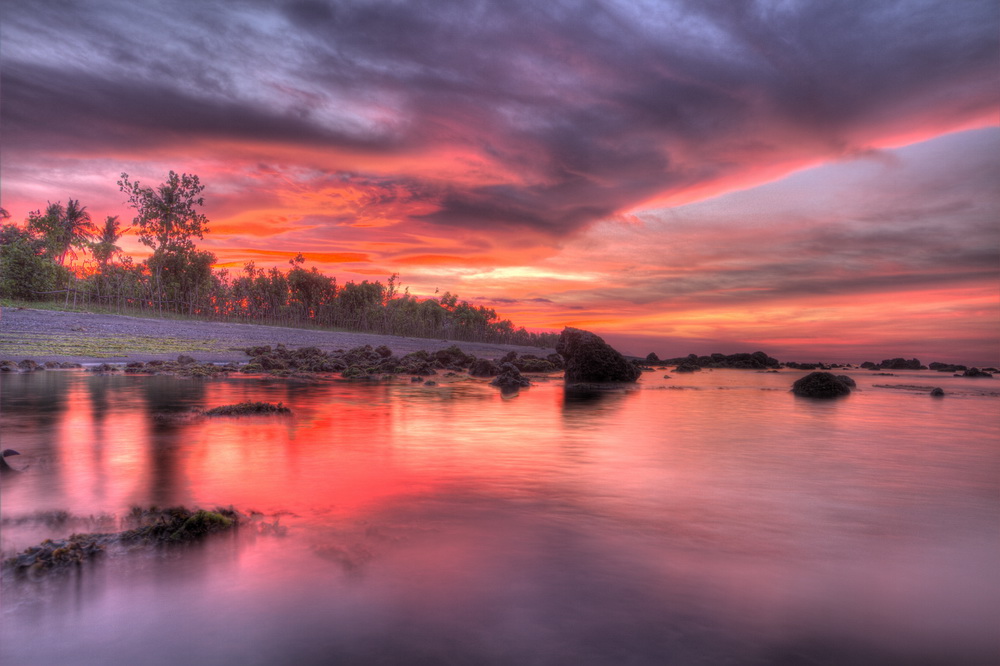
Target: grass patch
x: 104, y: 346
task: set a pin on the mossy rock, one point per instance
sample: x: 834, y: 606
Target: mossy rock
x: 247, y: 408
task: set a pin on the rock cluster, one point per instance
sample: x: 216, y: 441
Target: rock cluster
x: 28, y: 365
x: 757, y: 360
x: 589, y: 359
x: 509, y: 378
x: 247, y: 408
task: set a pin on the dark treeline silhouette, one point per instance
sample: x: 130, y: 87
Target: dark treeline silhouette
x: 178, y: 277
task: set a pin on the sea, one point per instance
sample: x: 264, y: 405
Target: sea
x: 704, y: 518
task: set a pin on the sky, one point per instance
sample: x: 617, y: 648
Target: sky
x: 817, y: 180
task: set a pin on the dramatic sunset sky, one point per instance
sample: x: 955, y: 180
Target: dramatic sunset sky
x: 818, y: 180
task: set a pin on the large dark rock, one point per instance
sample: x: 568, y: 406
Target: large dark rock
x: 589, y: 359
x: 820, y: 385
x: 976, y: 372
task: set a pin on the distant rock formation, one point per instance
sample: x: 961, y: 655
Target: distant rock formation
x: 821, y: 385
x: 976, y: 372
x: 589, y: 359
x: 947, y: 367
x: 901, y: 364
x: 758, y: 360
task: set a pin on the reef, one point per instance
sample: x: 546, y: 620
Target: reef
x: 150, y: 527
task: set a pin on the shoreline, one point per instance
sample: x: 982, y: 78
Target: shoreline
x: 88, y: 338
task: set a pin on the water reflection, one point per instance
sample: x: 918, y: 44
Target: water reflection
x: 730, y: 523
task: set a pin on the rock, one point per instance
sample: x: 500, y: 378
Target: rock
x: 589, y: 359
x: 484, y: 367
x: 976, y: 372
x: 820, y: 385
x: 8, y: 366
x: 652, y: 358
x: 847, y: 381
x: 245, y: 408
x: 27, y: 365
x: 510, y: 378
x: 688, y: 367
x: 947, y: 367
x: 184, y: 359
x: 937, y: 393
x: 901, y: 364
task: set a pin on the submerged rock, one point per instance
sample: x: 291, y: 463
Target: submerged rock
x: 820, y: 385
x: 150, y: 527
x: 589, y: 359
x: 245, y: 408
x: 937, y: 392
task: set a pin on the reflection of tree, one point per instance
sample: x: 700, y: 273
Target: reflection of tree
x: 166, y: 398
x: 32, y: 402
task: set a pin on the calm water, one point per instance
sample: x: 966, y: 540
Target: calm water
x: 706, y: 519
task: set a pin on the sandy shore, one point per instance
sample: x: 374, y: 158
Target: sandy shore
x: 45, y: 335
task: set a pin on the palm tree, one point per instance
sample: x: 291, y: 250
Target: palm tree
x: 77, y: 229
x: 106, y: 245
x: 63, y: 228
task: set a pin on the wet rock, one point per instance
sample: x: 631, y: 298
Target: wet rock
x: 66, y: 365
x: 589, y: 359
x: 453, y: 357
x: 151, y: 527
x: 484, y: 367
x: 27, y: 365
x: 688, y: 367
x: 105, y: 367
x: 820, y: 385
x: 510, y: 378
x: 976, y: 372
x: 937, y: 392
x: 8, y: 366
x: 184, y: 359
x: 247, y: 408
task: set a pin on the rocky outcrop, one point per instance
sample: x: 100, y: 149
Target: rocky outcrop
x: 484, y: 367
x: 947, y: 367
x: 901, y: 364
x: 757, y: 360
x: 976, y: 372
x: 821, y: 385
x: 589, y: 359
x: 510, y: 378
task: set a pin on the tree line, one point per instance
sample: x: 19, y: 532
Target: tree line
x: 61, y: 253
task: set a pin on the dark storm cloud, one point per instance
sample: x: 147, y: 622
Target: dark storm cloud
x: 595, y: 106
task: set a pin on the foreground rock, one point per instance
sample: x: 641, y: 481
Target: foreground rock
x: 150, y: 527
x: 589, y: 359
x: 821, y: 385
